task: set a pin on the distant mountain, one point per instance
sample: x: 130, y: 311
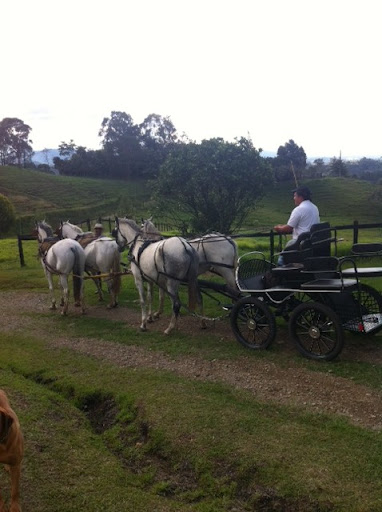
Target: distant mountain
x: 45, y: 156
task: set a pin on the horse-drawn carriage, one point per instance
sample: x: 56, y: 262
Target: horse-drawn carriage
x: 318, y: 294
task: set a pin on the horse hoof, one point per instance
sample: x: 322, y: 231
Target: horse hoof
x: 167, y: 332
x: 63, y: 313
x: 53, y: 307
x: 143, y: 329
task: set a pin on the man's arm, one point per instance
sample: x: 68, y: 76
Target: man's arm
x: 283, y: 228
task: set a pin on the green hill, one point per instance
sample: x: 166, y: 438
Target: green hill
x: 37, y: 195
x: 340, y: 201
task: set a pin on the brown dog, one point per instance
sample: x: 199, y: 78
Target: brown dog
x: 11, y: 450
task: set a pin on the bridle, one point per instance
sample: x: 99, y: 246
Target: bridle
x: 126, y: 243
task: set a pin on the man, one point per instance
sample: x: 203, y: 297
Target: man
x: 302, y: 218
x: 98, y: 229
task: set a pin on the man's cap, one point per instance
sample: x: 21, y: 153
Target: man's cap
x: 98, y: 226
x: 303, y: 192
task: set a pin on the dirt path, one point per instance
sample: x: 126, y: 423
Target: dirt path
x: 314, y: 391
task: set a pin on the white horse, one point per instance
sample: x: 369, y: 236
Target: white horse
x: 102, y: 256
x: 166, y: 263
x: 217, y: 253
x: 61, y: 257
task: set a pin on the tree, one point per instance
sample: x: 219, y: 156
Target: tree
x: 338, y: 167
x: 290, y: 161
x: 158, y: 131
x: 7, y: 214
x: 214, y: 184
x: 121, y: 144
x: 67, y: 149
x: 157, y: 136
x: 15, y: 146
x: 317, y: 169
x: 83, y: 162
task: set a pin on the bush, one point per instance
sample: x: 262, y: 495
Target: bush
x: 7, y: 215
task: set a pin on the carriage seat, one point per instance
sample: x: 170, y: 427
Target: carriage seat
x: 365, y: 249
x: 314, y: 243
x: 327, y: 274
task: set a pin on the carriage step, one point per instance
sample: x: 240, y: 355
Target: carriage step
x: 368, y: 323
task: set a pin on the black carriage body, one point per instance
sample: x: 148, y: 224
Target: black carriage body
x: 316, y: 295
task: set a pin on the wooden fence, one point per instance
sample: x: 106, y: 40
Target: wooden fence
x: 275, y: 239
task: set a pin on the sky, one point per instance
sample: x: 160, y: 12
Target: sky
x: 271, y: 70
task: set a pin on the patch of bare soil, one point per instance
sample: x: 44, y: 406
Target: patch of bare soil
x: 268, y: 382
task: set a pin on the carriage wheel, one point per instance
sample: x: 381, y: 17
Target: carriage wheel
x: 253, y: 323
x: 316, y: 331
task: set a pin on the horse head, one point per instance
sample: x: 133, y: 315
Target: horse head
x: 44, y: 230
x: 149, y: 230
x: 69, y: 230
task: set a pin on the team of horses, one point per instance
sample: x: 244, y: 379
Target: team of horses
x: 154, y: 260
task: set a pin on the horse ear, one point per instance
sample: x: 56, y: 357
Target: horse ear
x: 150, y: 218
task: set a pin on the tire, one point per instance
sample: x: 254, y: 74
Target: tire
x: 317, y: 331
x: 253, y: 323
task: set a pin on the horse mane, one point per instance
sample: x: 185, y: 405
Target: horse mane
x: 46, y: 227
x: 132, y: 224
x: 150, y: 230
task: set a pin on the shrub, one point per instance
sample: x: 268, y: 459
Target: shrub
x: 7, y: 214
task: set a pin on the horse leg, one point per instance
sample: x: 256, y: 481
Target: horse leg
x: 98, y: 286
x: 111, y: 286
x: 161, y: 303
x: 229, y: 277
x: 65, y: 293
x: 141, y: 291
x: 150, y: 288
x: 172, y: 288
x: 51, y: 289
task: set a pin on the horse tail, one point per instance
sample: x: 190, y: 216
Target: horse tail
x: 116, y: 268
x: 78, y: 270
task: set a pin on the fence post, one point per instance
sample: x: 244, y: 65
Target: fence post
x: 272, y: 245
x: 21, y: 253
x: 355, y: 232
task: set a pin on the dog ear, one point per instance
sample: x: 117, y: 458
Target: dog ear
x: 5, y: 424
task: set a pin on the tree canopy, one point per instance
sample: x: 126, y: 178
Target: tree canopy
x: 15, y: 146
x: 290, y: 161
x: 129, y: 150
x: 213, y: 183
